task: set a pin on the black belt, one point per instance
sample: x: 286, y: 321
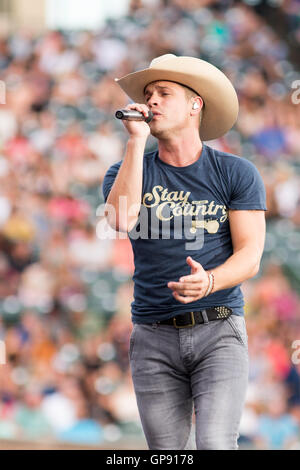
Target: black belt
x: 187, y: 319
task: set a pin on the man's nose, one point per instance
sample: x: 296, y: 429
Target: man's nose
x: 152, y: 101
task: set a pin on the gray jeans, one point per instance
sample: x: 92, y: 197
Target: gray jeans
x: 174, y: 370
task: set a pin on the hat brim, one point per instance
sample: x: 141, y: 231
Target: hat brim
x: 221, y: 102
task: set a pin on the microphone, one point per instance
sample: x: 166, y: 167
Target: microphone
x: 133, y: 115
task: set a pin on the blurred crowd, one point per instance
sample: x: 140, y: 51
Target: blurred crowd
x: 65, y: 289
x: 291, y: 11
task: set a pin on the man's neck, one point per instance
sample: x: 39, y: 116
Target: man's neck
x: 180, y: 151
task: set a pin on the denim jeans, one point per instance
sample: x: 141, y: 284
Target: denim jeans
x: 202, y: 368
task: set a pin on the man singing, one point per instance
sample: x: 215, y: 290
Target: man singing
x: 195, y: 218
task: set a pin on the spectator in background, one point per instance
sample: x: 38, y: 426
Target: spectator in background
x: 276, y: 428
x: 58, y: 136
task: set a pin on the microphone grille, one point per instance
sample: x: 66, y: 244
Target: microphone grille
x: 150, y: 117
x: 119, y: 114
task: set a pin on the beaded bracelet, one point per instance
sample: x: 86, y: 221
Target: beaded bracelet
x: 211, y: 284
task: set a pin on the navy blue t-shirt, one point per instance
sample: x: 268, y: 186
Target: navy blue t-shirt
x: 184, y: 212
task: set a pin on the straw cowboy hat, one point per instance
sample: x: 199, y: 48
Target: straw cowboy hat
x: 219, y: 96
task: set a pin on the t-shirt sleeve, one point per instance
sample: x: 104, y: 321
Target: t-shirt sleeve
x: 247, y: 188
x: 109, y: 179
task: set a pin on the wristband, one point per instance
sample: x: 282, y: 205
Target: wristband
x: 211, y: 284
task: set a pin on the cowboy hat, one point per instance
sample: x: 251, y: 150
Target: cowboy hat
x: 217, y: 92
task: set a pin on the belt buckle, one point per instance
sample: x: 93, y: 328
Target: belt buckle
x: 185, y: 326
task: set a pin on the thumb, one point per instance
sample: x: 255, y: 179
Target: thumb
x: 194, y: 264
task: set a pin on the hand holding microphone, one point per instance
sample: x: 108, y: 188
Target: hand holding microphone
x: 135, y: 118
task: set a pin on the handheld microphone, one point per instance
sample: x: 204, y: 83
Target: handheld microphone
x: 133, y: 115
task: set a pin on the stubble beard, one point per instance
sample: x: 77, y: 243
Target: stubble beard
x: 162, y: 133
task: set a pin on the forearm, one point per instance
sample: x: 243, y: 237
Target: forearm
x: 123, y: 202
x: 242, y: 265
